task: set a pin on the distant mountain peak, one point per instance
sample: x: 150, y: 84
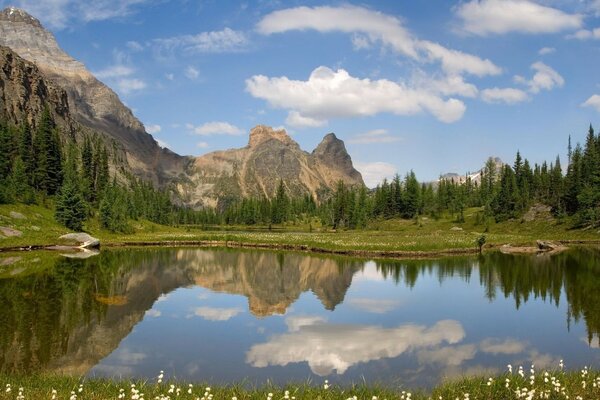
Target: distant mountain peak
x: 14, y: 14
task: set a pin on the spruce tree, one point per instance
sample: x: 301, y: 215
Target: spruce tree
x: 71, y: 208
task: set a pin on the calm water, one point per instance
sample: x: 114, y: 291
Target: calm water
x: 223, y: 316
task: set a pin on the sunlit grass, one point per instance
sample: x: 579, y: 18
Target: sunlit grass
x: 522, y: 383
x: 422, y: 235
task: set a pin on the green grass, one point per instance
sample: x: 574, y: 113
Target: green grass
x: 554, y: 384
x: 424, y: 235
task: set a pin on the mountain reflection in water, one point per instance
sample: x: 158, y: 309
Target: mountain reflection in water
x: 226, y: 315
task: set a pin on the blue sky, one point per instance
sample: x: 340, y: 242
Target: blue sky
x: 433, y: 86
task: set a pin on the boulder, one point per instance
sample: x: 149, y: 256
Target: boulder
x: 81, y: 239
x: 17, y: 215
x: 8, y: 232
x: 456, y: 228
x: 546, y: 245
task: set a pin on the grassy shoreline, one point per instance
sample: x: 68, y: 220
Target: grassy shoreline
x: 584, y: 384
x: 388, y: 238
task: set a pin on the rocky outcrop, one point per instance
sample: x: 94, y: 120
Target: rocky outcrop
x: 256, y: 170
x: 81, y: 240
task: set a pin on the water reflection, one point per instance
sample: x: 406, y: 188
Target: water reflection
x: 216, y: 314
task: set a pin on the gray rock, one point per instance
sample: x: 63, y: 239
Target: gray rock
x: 17, y: 215
x: 81, y: 239
x: 9, y: 232
x: 546, y: 245
x: 456, y: 228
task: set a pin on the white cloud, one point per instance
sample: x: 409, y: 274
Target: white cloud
x: 170, y: 77
x: 328, y: 348
x: 60, y: 14
x: 202, y: 145
x: 114, y: 71
x: 448, y: 356
x: 215, y: 128
x: 456, y: 62
x: 449, y: 85
x: 545, y: 78
x: 226, y: 40
x: 375, y: 306
x: 153, y: 313
x: 217, y: 314
x: 373, y: 136
x: 298, y: 121
x: 585, y: 34
x: 191, y: 73
x: 507, y: 346
x: 127, y: 86
x: 295, y: 323
x: 152, y: 129
x: 593, y: 101
x: 134, y: 46
x: 484, y: 17
x: 375, y: 172
x: 369, y: 27
x: 546, y: 50
x: 504, y: 95
x: 336, y: 94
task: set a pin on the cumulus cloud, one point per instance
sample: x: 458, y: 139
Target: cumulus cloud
x: 485, y: 17
x: 546, y: 50
x: 202, y: 145
x: 506, y: 346
x: 368, y: 27
x: 217, y: 314
x: 545, y: 78
x: 328, y: 348
x: 223, y: 41
x: 593, y: 101
x: 153, y: 313
x: 373, y: 136
x: 152, y: 129
x: 374, y: 173
x: 134, y: 46
x: 215, y: 128
x: 448, y: 356
x: 334, y: 94
x: 504, y: 95
x: 585, y: 34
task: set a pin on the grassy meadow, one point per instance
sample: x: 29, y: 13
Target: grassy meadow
x: 424, y: 234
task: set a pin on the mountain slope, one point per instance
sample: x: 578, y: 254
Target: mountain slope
x: 92, y: 104
x: 270, y: 156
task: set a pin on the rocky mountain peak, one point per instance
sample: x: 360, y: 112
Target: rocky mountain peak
x: 14, y: 14
x: 262, y: 133
x: 331, y: 147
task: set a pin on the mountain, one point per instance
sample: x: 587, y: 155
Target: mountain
x: 475, y: 177
x: 92, y: 104
x: 38, y: 72
x: 256, y: 170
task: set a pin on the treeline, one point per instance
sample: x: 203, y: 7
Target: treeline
x: 502, y: 191
x: 45, y: 166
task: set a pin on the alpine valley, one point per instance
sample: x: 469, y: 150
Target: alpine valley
x: 35, y: 72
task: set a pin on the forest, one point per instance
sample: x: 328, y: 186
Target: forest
x: 45, y: 166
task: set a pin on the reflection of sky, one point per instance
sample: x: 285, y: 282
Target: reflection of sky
x: 381, y: 331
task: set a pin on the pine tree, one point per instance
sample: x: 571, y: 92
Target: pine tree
x: 71, y: 208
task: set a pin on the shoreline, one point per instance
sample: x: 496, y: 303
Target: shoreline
x: 388, y: 254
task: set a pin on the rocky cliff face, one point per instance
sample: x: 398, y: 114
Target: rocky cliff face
x: 25, y: 91
x: 37, y: 71
x: 92, y: 104
x: 270, y: 156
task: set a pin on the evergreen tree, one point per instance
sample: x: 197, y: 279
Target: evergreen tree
x: 71, y: 208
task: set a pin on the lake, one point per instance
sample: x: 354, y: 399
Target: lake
x: 224, y: 316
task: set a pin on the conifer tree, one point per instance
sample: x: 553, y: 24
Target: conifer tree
x: 71, y: 208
